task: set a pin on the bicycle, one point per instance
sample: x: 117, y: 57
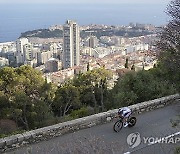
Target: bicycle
x: 120, y: 122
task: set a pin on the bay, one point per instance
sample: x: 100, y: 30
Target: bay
x: 18, y: 18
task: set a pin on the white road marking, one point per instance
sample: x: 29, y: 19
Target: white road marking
x: 165, y: 138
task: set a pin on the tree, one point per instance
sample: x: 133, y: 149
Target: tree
x: 88, y: 66
x: 22, y: 96
x: 126, y: 64
x: 92, y: 86
x: 136, y: 87
x: 169, y: 44
x: 66, y: 99
x: 133, y: 68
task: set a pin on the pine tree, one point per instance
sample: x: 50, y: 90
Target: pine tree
x: 126, y: 64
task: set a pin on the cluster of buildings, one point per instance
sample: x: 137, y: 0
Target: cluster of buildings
x: 106, y: 45
x: 52, y: 55
x: 61, y: 58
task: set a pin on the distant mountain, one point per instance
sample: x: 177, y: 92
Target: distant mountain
x: 46, y: 33
x: 43, y: 33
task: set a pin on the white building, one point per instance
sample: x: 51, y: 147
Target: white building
x: 87, y: 51
x: 3, y: 62
x: 91, y: 42
x: 71, y: 44
x: 43, y: 57
x: 138, y: 47
x: 7, y: 46
x: 101, y: 52
x: 28, y: 52
x: 20, y: 50
x: 32, y: 63
x: 4, y: 50
x: 53, y: 47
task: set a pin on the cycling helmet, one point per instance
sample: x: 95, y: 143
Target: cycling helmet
x: 120, y: 111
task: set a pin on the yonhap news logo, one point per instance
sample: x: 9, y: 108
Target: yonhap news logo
x: 134, y: 139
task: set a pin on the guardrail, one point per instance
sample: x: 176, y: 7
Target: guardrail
x: 46, y: 133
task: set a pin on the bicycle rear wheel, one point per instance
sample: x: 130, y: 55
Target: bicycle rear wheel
x: 132, y: 122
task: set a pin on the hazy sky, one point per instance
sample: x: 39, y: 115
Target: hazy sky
x: 86, y: 1
x: 18, y: 16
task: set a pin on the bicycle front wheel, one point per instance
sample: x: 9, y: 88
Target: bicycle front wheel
x: 118, y: 126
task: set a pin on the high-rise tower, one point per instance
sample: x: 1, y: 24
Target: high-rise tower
x: 71, y: 44
x: 20, y: 51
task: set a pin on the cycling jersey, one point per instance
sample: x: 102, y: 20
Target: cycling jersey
x: 125, y: 111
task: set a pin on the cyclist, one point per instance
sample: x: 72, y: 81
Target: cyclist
x: 125, y: 112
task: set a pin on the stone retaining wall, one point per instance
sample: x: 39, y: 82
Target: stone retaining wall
x: 46, y: 133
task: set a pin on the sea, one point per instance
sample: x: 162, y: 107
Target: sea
x: 18, y: 18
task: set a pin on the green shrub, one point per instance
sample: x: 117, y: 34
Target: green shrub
x: 12, y: 133
x: 82, y: 112
x: 177, y: 150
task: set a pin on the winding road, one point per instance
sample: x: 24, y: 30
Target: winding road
x: 102, y: 139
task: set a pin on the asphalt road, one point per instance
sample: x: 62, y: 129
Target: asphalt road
x: 102, y: 139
